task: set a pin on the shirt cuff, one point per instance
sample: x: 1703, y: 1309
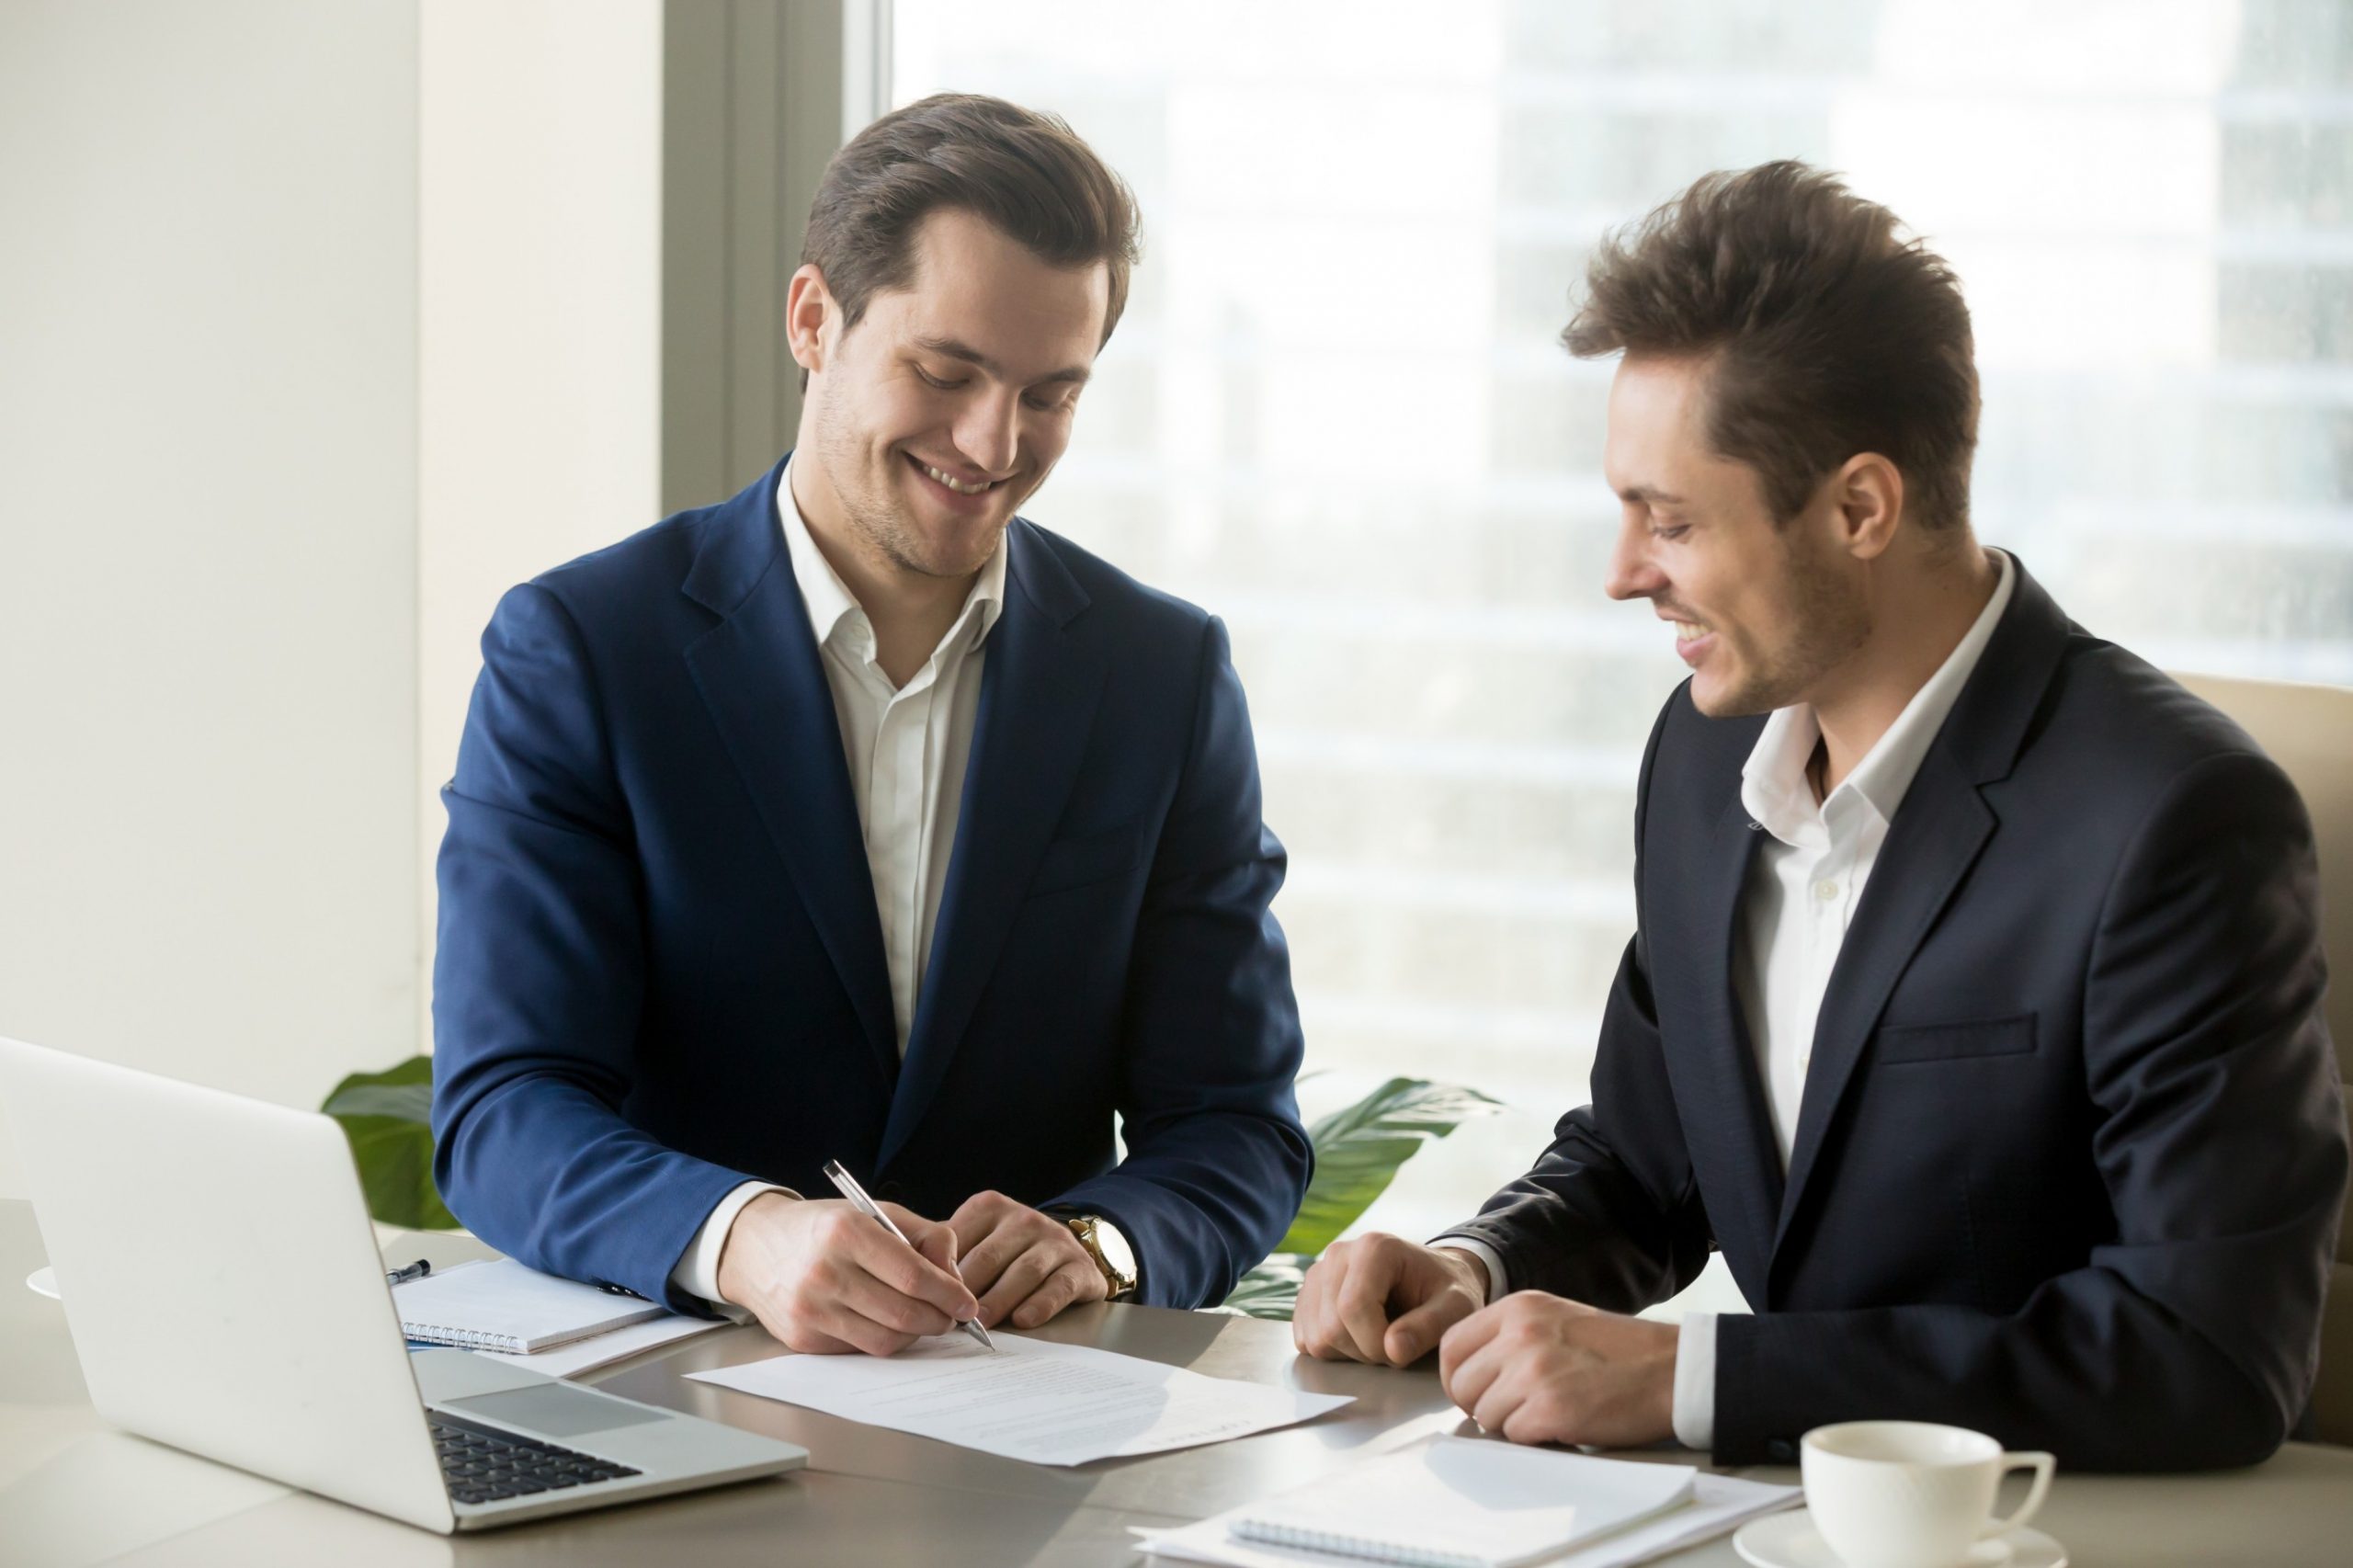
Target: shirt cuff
x: 1695, y: 1382
x: 1499, y: 1279
x: 697, y: 1272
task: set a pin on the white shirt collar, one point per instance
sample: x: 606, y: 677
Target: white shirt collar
x: 835, y: 612
x: 1773, y: 785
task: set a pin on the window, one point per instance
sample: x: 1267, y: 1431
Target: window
x: 1336, y: 414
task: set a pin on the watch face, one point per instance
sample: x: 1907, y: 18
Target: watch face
x: 1115, y: 1250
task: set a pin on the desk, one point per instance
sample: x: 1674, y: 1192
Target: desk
x: 74, y: 1494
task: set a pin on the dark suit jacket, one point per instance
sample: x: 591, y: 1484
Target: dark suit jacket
x: 2071, y: 1155
x: 661, y: 972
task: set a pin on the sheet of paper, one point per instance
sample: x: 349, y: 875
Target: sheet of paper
x: 1720, y: 1505
x: 1031, y: 1399
x: 604, y: 1349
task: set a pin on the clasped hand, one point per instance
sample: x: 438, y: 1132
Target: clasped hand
x: 1536, y: 1367
x: 822, y: 1278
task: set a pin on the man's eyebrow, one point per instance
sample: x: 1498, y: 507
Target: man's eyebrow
x: 1648, y: 493
x: 956, y: 349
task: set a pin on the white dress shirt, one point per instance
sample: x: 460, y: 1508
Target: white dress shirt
x: 1802, y: 890
x: 906, y: 747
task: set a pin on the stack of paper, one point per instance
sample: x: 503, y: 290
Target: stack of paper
x: 1029, y: 1399
x: 604, y: 1349
x: 1478, y: 1503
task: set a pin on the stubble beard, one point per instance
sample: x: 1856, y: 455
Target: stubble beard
x: 875, y: 512
x: 1829, y: 622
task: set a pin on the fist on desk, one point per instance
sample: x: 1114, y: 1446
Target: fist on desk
x: 1536, y: 1367
x: 1385, y: 1301
x: 1027, y: 1265
x: 1543, y: 1369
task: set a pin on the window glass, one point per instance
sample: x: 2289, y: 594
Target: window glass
x: 1338, y: 416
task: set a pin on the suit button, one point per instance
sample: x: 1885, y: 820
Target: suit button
x: 893, y: 1190
x: 1781, y: 1451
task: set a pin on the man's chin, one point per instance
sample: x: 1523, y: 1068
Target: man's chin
x: 1728, y: 699
x: 933, y: 558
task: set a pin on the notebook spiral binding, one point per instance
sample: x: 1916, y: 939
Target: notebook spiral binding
x: 1371, y: 1548
x: 469, y: 1338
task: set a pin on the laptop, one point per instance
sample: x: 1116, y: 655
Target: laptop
x: 226, y: 1296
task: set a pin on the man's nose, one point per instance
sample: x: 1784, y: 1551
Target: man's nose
x: 989, y: 434
x: 1632, y: 574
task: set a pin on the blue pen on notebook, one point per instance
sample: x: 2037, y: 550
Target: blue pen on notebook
x: 848, y: 1186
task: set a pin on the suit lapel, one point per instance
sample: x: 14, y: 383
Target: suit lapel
x: 1939, y: 832
x: 1039, y: 691
x: 759, y: 674
x: 1732, y: 1140
x: 1934, y: 838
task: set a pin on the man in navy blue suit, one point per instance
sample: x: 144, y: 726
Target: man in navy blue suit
x: 1973, y: 1007
x: 858, y: 818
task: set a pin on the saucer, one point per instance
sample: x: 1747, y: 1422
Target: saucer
x: 43, y: 1282
x: 1789, y: 1541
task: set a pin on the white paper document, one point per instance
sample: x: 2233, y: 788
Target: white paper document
x: 1029, y: 1399
x: 1719, y: 1503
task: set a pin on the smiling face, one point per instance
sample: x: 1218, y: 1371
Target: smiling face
x: 1765, y: 614
x: 945, y: 407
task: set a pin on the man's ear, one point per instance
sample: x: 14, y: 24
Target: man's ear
x: 1868, y: 493
x: 808, y: 308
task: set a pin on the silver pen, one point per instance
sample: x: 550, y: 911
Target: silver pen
x: 848, y: 1186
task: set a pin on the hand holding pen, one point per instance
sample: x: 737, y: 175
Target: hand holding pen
x: 826, y: 1278
x: 846, y: 1185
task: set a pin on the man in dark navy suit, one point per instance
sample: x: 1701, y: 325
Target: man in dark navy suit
x: 859, y: 819
x: 1973, y: 1009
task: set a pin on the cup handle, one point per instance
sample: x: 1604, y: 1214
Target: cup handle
x: 2043, y: 1466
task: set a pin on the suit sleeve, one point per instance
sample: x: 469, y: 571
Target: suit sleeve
x: 1610, y: 1214
x: 538, y: 978
x: 2191, y: 1339
x: 1217, y: 1160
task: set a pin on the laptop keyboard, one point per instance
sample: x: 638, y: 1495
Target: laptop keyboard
x: 483, y: 1464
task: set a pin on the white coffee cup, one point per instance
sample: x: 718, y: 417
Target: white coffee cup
x: 1909, y: 1494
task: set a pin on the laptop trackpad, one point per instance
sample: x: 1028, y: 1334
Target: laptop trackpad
x: 555, y: 1410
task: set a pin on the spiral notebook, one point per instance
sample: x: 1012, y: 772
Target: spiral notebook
x: 1465, y: 1503
x: 501, y: 1305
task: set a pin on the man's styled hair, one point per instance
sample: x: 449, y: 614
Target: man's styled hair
x: 1026, y: 174
x: 1826, y: 332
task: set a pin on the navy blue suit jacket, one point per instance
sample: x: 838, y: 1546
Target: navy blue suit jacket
x: 2072, y: 1151
x: 660, y: 969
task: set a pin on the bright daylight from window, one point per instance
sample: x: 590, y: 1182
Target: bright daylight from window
x: 1336, y: 414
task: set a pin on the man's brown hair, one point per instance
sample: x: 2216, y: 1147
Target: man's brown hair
x: 1826, y: 332
x: 1024, y: 173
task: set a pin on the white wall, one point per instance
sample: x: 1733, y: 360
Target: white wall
x: 319, y: 326
x: 208, y: 545
x: 541, y: 301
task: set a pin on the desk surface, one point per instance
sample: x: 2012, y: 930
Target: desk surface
x: 74, y: 1494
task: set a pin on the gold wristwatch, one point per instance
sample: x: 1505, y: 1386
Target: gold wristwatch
x: 1108, y: 1249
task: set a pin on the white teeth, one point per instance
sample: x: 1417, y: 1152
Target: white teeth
x: 956, y: 485
x: 1689, y: 631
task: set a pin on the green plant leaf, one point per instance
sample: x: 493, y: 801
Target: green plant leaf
x: 1358, y: 1149
x: 388, y: 1118
x: 1272, y: 1290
